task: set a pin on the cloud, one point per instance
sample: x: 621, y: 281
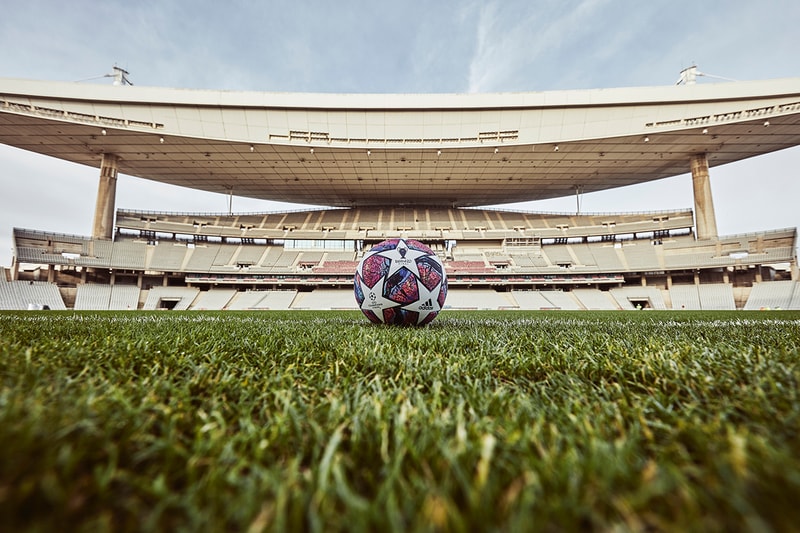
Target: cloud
x: 516, y: 45
x: 600, y: 43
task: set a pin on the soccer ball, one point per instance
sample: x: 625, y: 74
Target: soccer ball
x: 400, y: 281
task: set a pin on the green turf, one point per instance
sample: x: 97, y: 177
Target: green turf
x: 322, y: 421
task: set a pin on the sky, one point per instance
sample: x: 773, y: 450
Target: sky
x: 414, y: 46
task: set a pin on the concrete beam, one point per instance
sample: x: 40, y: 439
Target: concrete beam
x: 705, y: 219
x: 103, y: 227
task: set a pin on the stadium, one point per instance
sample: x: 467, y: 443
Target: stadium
x: 419, y: 166
x: 497, y: 420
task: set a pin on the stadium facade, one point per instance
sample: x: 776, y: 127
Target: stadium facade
x: 414, y: 166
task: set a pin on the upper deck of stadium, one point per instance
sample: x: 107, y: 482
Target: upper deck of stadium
x: 408, y: 165
x: 445, y: 150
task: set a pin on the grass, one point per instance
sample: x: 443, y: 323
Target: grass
x: 323, y: 421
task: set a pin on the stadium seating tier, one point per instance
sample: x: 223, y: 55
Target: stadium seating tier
x: 576, y: 254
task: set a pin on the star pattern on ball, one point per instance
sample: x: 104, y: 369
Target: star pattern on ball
x: 403, y: 256
x: 427, y: 303
x: 374, y: 300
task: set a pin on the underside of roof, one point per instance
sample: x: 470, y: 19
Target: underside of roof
x: 379, y: 150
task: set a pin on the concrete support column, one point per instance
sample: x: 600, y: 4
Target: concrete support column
x: 705, y: 219
x: 106, y: 198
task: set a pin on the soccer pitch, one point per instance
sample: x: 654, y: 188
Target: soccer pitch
x: 251, y: 421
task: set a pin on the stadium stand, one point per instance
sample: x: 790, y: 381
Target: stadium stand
x: 224, y: 256
x: 716, y: 296
x: 343, y: 223
x: 245, y: 300
x: 202, y: 258
x: 261, y: 300
x: 479, y: 299
x: 538, y: 260
x: 560, y: 255
x: 213, y: 299
x: 93, y: 297
x: 8, y: 297
x: 711, y: 296
x: 21, y: 295
x: 595, y: 299
x: 639, y: 298
x: 685, y: 297
x: 771, y: 295
x: 129, y: 255
x: 325, y: 299
x: 286, y: 259
x: 271, y: 257
x: 167, y: 256
x: 469, y: 267
x: 175, y: 298
x: 277, y: 300
x: 339, y: 256
x: 562, y: 300
x: 795, y: 303
x: 97, y: 297
x: 96, y: 254
x: 248, y: 255
x: 532, y: 300
x: 607, y: 257
x: 337, y: 267
x: 641, y: 256
x: 583, y: 254
x: 124, y: 297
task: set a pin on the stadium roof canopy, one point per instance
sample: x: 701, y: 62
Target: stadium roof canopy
x: 395, y: 149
